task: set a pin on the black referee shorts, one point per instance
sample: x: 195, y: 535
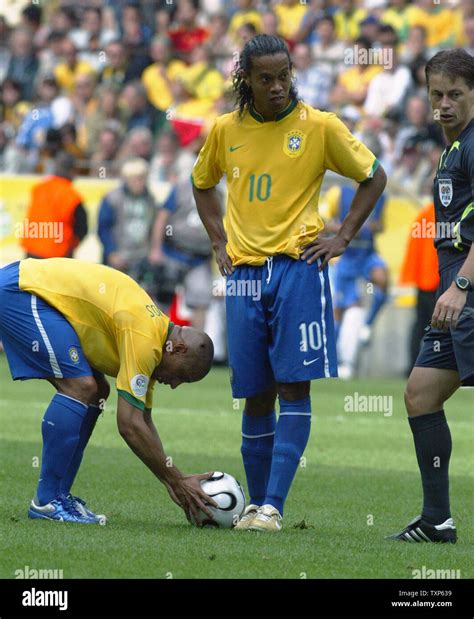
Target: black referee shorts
x: 453, y: 349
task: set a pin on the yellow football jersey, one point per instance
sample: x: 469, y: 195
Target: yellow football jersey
x: 274, y: 173
x: 122, y: 332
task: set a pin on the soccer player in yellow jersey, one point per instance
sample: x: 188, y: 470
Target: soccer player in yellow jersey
x: 70, y: 322
x: 274, y: 151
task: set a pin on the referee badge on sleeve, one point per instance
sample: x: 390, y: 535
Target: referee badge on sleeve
x: 445, y: 189
x: 294, y: 143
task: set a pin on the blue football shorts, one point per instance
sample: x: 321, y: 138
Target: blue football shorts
x: 38, y: 340
x: 280, y: 325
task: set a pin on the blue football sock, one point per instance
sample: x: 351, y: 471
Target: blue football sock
x: 61, y: 430
x: 291, y: 437
x: 380, y: 297
x: 257, y: 447
x: 87, y: 428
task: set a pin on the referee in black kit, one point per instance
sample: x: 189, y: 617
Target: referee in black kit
x: 446, y: 359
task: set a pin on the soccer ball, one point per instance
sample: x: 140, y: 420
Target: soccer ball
x: 229, y: 495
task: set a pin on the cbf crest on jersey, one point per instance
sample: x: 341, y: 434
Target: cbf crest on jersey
x: 294, y: 143
x: 445, y: 190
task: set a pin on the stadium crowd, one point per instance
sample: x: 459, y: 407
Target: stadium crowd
x: 110, y: 80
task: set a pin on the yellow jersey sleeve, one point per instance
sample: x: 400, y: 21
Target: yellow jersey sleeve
x: 344, y: 154
x: 137, y: 364
x: 209, y: 167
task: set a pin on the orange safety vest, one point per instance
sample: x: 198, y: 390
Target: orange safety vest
x: 48, y: 229
x: 420, y: 265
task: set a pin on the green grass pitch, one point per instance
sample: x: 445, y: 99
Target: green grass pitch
x: 359, y: 483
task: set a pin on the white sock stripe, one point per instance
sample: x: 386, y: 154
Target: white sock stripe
x: 323, y: 320
x: 296, y: 413
x: 73, y: 399
x: 257, y: 435
x: 52, y: 357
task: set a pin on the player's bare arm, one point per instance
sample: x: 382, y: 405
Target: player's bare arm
x: 208, y: 206
x: 364, y: 202
x: 451, y: 303
x: 140, y: 434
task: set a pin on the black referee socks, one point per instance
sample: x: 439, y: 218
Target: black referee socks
x: 433, y: 450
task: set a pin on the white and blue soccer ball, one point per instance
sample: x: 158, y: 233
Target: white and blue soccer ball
x: 230, y: 497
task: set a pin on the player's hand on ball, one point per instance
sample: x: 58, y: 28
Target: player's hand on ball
x: 329, y: 248
x: 448, y: 308
x: 189, y: 495
x: 223, y: 260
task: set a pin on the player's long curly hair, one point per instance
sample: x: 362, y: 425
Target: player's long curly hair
x: 260, y: 45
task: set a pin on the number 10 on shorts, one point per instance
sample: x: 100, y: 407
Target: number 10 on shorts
x: 310, y: 336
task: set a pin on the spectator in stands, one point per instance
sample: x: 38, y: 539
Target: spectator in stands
x: 50, y: 56
x: 244, y: 33
x: 328, y: 51
x: 83, y: 99
x: 56, y: 203
x: 270, y: 24
x: 162, y: 166
x: 104, y: 158
x: 396, y: 15
x: 185, y: 33
x: 181, y: 247
x: 353, y: 82
x: 50, y: 110
x: 369, y: 29
x: 31, y: 20
x: 134, y: 32
x: 387, y: 90
x: 138, y: 143
x: 347, y: 20
x: 290, y: 14
x: 157, y: 77
x: 121, y: 67
x: 52, y: 146
x: 313, y: 83
x: 139, y: 111
x: 246, y: 13
x: 418, y: 124
x: 107, y: 109
x: 10, y: 103
x: 469, y: 31
x: 67, y: 72
x: 91, y: 37
x: 70, y: 145
x: 126, y: 218
x: 23, y: 64
x: 415, y: 45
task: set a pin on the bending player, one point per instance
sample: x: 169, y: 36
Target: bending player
x: 70, y: 322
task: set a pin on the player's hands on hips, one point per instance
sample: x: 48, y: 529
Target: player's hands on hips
x: 223, y: 259
x: 328, y: 248
x: 189, y: 495
x: 448, y: 308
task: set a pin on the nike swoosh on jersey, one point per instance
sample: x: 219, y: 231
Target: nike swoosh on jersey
x: 305, y: 362
x: 232, y: 148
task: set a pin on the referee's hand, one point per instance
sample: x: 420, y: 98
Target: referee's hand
x: 327, y: 247
x: 448, y: 308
